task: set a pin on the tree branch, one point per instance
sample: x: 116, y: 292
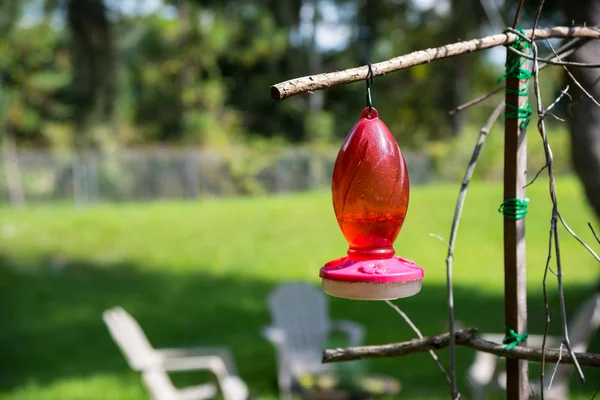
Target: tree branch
x: 460, y: 202
x: 464, y: 337
x: 555, y: 213
x: 396, y: 349
x: 477, y: 100
x: 312, y: 83
x: 436, y: 359
x: 594, y: 232
x: 564, y: 51
x: 553, y: 62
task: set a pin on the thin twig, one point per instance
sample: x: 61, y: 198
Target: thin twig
x: 555, y: 368
x: 324, y: 81
x: 555, y: 213
x: 553, y: 225
x: 550, y: 159
x: 556, y: 117
x: 581, y: 87
x: 460, y: 202
x: 477, y: 100
x: 441, y: 239
x: 464, y: 337
x: 546, y: 306
x: 420, y: 335
x: 536, y: 175
x: 580, y: 240
x: 538, y: 14
x: 572, y: 77
x: 563, y: 93
x: 554, y: 62
x: 594, y: 233
x: 518, y: 13
x: 564, y: 51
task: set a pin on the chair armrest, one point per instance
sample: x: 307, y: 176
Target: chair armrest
x: 354, y: 331
x: 190, y: 351
x: 273, y: 334
x: 179, y: 353
x: 214, y: 364
x: 230, y: 385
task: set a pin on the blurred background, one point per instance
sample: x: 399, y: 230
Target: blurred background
x: 144, y: 165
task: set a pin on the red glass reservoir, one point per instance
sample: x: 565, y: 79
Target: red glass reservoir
x: 370, y: 189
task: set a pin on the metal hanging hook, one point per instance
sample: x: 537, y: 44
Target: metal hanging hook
x: 369, y: 80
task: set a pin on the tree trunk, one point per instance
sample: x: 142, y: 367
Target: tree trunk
x: 584, y: 114
x: 94, y: 83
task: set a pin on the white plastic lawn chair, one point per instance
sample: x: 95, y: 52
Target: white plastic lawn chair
x: 300, y: 328
x: 155, y: 364
x: 582, y: 329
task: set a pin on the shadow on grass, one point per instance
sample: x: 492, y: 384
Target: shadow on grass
x: 52, y: 326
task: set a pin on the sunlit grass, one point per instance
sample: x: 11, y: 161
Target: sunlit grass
x: 199, y: 272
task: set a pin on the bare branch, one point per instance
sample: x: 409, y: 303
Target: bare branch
x: 477, y: 100
x: 441, y: 239
x: 580, y: 240
x: 420, y: 335
x: 581, y: 87
x: 464, y: 337
x: 554, y: 229
x: 536, y: 175
x: 518, y: 13
x: 563, y: 93
x: 555, y: 367
x: 546, y: 112
x: 556, y: 117
x: 394, y: 349
x: 546, y: 306
x: 460, y: 202
x: 537, y: 15
x: 594, y: 233
x: 305, y: 84
x: 563, y: 51
x: 572, y: 77
x: 553, y: 62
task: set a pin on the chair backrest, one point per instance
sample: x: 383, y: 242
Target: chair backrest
x: 302, y: 312
x: 130, y: 338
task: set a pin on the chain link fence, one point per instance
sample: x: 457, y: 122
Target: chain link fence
x: 143, y: 175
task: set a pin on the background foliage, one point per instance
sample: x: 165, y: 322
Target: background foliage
x: 197, y: 73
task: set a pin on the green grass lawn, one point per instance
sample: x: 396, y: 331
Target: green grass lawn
x: 198, y: 273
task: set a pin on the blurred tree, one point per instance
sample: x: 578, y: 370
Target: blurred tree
x: 584, y: 113
x: 94, y: 88
x: 195, y: 71
x: 35, y: 76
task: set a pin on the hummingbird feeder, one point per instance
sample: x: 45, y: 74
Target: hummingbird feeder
x: 370, y: 189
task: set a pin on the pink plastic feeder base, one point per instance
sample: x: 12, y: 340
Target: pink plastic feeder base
x: 386, y: 279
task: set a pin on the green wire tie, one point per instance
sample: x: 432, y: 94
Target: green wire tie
x: 514, y: 208
x: 514, y: 69
x: 512, y: 340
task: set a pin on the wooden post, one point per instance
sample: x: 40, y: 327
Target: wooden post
x: 515, y: 291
